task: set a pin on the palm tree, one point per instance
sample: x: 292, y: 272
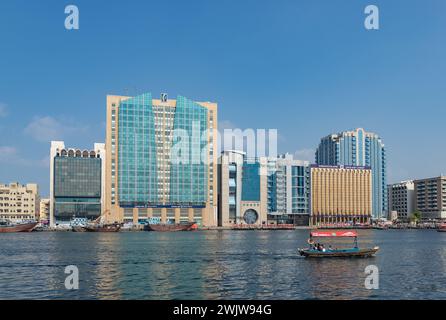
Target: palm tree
x: 416, y: 217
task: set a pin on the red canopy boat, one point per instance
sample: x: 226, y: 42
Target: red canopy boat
x: 319, y: 251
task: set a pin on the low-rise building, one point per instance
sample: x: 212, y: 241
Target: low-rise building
x: 19, y: 202
x: 431, y: 197
x: 44, y: 212
x: 401, y: 199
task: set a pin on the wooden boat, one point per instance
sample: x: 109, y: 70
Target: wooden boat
x: 114, y: 227
x: 9, y: 227
x: 313, y: 252
x: 78, y: 229
x: 166, y: 227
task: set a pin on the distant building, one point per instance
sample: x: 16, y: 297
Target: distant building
x: 19, y: 202
x: 359, y: 148
x: 340, y: 194
x: 431, y: 197
x: 147, y: 174
x: 242, y: 189
x: 44, y: 212
x: 402, y: 199
x: 76, y: 182
x: 289, y: 190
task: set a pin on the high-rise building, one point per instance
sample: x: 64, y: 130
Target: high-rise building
x: 402, y: 199
x: 19, y: 202
x: 242, y: 189
x: 76, y: 182
x: 340, y: 194
x: 161, y: 160
x: 430, y: 197
x: 289, y: 190
x: 359, y: 148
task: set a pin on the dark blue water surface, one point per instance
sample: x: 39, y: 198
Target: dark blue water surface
x: 217, y: 265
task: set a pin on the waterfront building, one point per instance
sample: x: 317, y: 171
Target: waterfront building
x: 359, y: 148
x: 76, y: 182
x: 289, y: 190
x: 340, y: 194
x: 401, y: 199
x: 430, y: 195
x: 44, y: 212
x: 19, y: 202
x: 161, y: 160
x: 242, y: 189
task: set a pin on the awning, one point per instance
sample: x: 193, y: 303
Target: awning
x: 327, y: 234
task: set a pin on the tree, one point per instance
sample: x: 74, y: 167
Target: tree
x: 416, y: 216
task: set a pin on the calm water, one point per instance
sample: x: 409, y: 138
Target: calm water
x: 217, y: 265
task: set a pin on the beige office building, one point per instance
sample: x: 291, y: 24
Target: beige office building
x: 161, y: 160
x: 19, y: 202
x: 340, y: 195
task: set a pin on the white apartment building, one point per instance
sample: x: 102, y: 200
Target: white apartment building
x: 401, y: 198
x: 19, y: 202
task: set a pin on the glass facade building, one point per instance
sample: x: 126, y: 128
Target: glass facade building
x: 76, y: 184
x: 359, y: 148
x: 160, y: 159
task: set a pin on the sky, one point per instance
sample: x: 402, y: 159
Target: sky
x: 307, y: 68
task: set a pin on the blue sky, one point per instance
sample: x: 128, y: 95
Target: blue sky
x: 307, y: 68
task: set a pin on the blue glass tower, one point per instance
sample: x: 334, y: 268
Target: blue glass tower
x: 359, y: 148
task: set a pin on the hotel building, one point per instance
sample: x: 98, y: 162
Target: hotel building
x: 359, y: 148
x: 242, y: 189
x: 289, y: 190
x: 340, y: 194
x: 76, y: 182
x: 430, y: 197
x: 19, y: 202
x: 161, y: 160
x: 402, y: 199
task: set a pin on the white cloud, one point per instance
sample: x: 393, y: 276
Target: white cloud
x: 10, y: 155
x: 45, y: 129
x: 305, y: 154
x: 3, y: 110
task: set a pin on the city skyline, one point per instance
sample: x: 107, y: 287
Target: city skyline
x: 316, y: 65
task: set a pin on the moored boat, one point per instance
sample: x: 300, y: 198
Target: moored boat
x: 170, y: 227
x: 114, y: 227
x: 9, y: 227
x: 319, y: 251
x: 442, y: 227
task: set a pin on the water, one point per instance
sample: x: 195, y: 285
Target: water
x: 217, y: 265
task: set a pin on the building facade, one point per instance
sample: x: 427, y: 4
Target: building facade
x: 76, y: 183
x: 161, y: 160
x: 242, y: 190
x: 289, y: 190
x: 44, y: 212
x: 19, y: 202
x: 340, y: 194
x: 359, y: 148
x: 430, y: 195
x: 401, y: 199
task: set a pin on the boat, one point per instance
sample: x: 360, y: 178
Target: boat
x: 320, y: 252
x: 114, y: 227
x: 170, y: 227
x: 78, y: 229
x: 9, y: 227
x: 442, y: 227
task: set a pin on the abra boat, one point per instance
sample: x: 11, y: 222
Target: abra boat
x: 315, y: 251
x: 9, y: 227
x: 170, y: 227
